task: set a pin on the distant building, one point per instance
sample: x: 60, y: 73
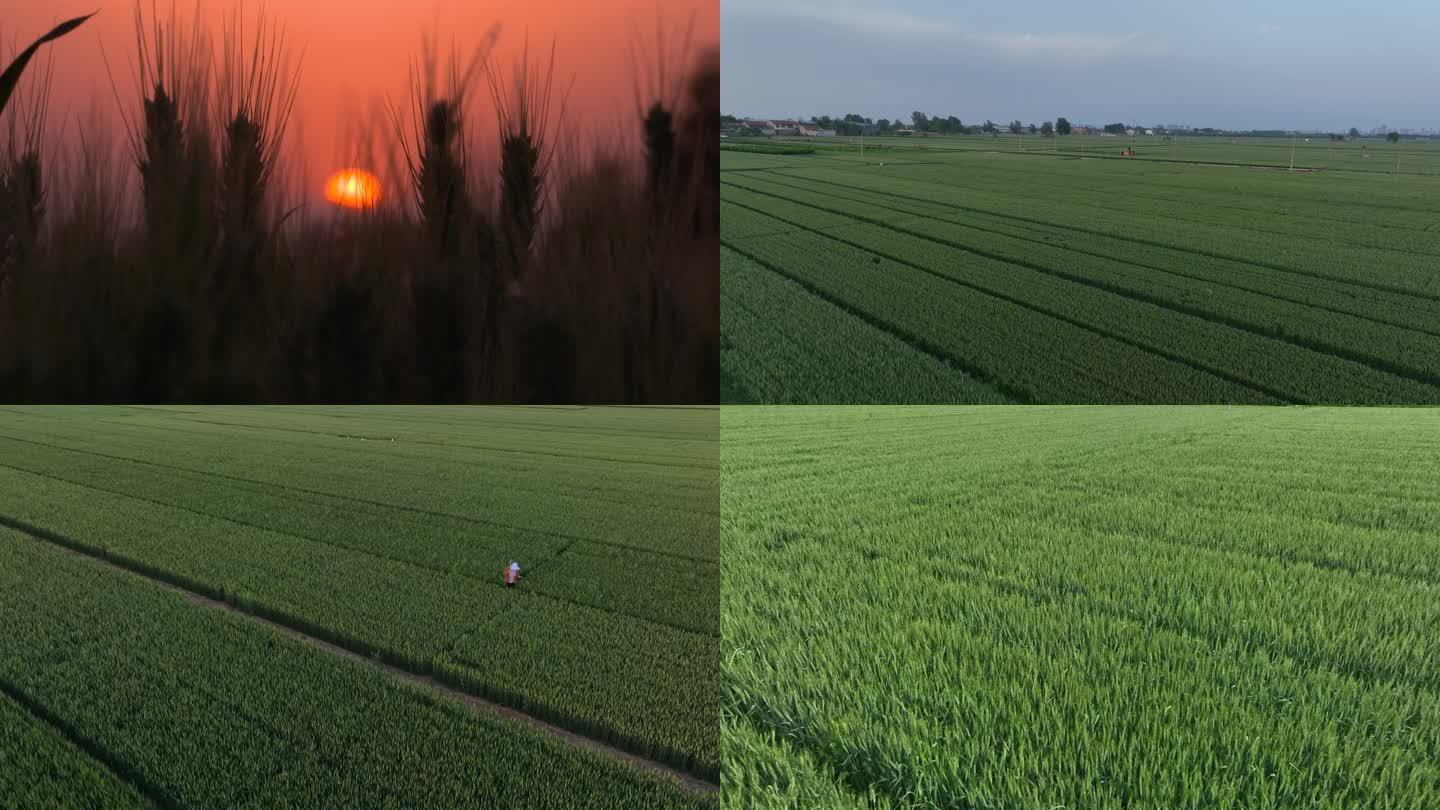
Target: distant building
x: 1149, y: 132
x: 1079, y: 130
x: 814, y: 131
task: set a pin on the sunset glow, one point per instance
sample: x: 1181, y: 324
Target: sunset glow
x: 354, y: 57
x: 353, y: 188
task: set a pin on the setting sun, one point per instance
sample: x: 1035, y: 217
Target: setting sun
x: 353, y: 188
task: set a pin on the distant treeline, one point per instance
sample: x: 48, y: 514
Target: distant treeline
x: 766, y: 149
x: 852, y: 124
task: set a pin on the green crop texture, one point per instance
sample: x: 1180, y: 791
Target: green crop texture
x: 39, y: 767
x: 765, y: 149
x: 1081, y: 607
x: 385, y: 531
x: 203, y: 709
x: 1042, y: 277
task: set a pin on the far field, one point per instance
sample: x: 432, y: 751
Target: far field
x: 1006, y: 607
x: 963, y: 270
x: 223, y: 607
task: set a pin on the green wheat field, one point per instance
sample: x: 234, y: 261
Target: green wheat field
x: 382, y: 532
x: 1072, y: 607
x: 959, y: 269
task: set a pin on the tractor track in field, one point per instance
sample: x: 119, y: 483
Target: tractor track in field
x: 287, y: 488
x: 1388, y: 289
x: 473, y: 703
x: 980, y: 226
x: 364, y: 552
x: 1038, y: 308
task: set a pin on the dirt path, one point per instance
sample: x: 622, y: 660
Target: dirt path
x: 476, y: 704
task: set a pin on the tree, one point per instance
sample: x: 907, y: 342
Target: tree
x: 1116, y: 129
x: 989, y: 126
x: 883, y: 124
x: 954, y: 124
x: 1032, y: 129
x: 1354, y: 133
x: 1062, y: 126
x: 1046, y: 129
x: 1393, y: 137
x: 920, y: 120
x: 729, y: 119
x: 1015, y: 127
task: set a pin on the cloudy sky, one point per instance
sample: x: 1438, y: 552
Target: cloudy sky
x: 1319, y: 64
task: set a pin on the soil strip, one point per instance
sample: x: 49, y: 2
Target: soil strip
x: 476, y: 704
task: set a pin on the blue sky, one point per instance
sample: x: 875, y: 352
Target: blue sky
x: 1280, y: 64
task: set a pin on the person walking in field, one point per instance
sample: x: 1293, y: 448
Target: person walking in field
x: 512, y: 574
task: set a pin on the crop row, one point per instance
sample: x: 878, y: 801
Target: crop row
x: 788, y: 345
x: 1405, y: 273
x: 403, y: 613
x: 1409, y: 351
x: 1377, y: 220
x: 765, y: 149
x: 496, y: 463
x: 453, y: 500
x: 762, y: 769
x: 439, y: 543
x: 1025, y: 555
x: 1046, y: 359
x: 664, y: 590
x: 1045, y: 225
x: 208, y: 710
x: 648, y: 688
x: 1285, y: 369
x: 40, y: 768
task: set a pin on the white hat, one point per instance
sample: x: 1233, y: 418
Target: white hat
x: 514, y: 566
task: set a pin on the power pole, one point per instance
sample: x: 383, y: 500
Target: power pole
x: 1292, y: 151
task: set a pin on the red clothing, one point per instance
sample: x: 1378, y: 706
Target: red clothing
x: 510, y: 576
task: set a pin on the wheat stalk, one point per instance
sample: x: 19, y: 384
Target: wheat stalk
x: 526, y: 152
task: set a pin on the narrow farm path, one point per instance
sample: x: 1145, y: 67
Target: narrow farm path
x: 476, y: 704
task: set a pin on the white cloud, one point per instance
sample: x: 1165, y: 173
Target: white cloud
x: 884, y: 23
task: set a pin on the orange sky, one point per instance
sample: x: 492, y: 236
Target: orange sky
x: 357, y: 51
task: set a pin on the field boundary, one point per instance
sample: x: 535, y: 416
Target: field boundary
x: 956, y: 211
x: 102, y: 757
x: 1380, y: 287
x: 898, y: 332
x: 428, y: 683
x: 370, y: 502
x: 1001, y: 296
x: 1300, y: 341
x: 359, y: 550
